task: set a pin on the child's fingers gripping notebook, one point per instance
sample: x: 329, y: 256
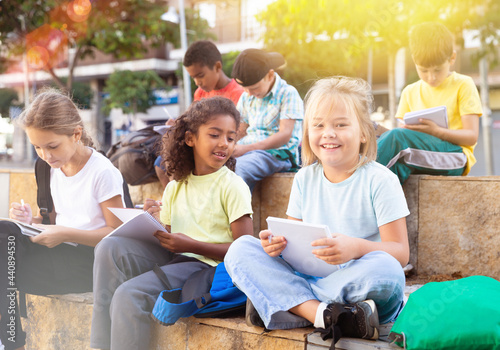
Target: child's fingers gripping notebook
x: 298, y: 252
x: 438, y: 115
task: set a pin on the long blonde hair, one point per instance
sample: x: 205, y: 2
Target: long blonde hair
x: 53, y: 111
x: 355, y: 94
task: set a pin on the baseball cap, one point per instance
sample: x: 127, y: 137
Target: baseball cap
x: 252, y: 65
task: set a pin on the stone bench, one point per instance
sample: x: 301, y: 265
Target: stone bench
x: 452, y: 230
x: 52, y: 324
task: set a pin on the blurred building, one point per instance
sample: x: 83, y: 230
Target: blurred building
x: 232, y: 21
x: 234, y: 24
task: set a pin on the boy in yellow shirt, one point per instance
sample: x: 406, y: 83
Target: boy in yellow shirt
x: 427, y: 148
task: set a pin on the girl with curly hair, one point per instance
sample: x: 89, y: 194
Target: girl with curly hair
x: 204, y: 209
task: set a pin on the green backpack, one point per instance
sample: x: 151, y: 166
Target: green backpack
x: 461, y: 315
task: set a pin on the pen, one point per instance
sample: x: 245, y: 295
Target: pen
x: 139, y: 206
x: 270, y: 238
x: 22, y: 204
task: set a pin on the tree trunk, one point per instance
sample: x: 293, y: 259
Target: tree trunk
x: 486, y: 117
x: 392, y: 88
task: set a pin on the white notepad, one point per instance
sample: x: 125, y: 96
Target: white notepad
x: 298, y: 252
x: 137, y: 223
x: 438, y: 115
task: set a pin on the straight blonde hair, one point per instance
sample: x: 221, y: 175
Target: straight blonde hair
x: 355, y: 95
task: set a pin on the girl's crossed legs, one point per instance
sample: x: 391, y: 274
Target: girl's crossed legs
x: 274, y: 287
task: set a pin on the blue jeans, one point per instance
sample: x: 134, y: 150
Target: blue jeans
x: 254, y: 166
x: 274, y: 287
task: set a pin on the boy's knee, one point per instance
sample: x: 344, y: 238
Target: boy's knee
x: 393, y: 134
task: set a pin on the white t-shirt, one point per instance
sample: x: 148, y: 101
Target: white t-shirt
x: 76, y: 198
x: 356, y: 207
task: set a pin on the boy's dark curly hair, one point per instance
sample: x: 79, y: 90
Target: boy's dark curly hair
x: 178, y: 156
x: 204, y: 52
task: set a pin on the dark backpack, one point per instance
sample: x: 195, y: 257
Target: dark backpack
x: 44, y: 198
x: 207, y: 293
x: 135, y: 155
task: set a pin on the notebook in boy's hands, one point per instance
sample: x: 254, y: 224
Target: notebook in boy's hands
x: 298, y: 252
x: 30, y: 230
x: 137, y: 223
x: 438, y: 115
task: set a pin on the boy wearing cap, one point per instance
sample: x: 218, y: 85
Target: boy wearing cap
x: 203, y: 62
x: 271, y: 113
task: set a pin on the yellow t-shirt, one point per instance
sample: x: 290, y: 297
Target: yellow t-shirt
x: 458, y: 93
x: 205, y: 206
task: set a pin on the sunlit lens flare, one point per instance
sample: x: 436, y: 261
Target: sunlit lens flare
x: 38, y: 57
x: 82, y: 7
x: 77, y: 12
x: 46, y: 47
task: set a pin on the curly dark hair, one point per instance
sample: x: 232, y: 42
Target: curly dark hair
x: 204, y: 52
x: 178, y: 156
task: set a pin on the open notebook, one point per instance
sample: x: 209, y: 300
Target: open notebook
x: 30, y: 230
x: 438, y: 115
x: 137, y: 223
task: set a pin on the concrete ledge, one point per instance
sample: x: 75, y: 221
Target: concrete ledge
x: 58, y: 322
x: 458, y: 220
x: 62, y: 322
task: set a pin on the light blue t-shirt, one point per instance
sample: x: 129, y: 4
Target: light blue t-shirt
x: 356, y: 207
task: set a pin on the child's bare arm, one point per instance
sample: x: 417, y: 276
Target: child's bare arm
x: 341, y: 248
x: 467, y: 136
x: 274, y: 141
x: 54, y: 235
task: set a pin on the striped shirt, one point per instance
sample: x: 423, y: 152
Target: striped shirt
x: 263, y: 115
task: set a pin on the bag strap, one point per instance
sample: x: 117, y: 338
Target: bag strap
x: 43, y: 198
x: 162, y: 276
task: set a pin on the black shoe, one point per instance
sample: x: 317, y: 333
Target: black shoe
x: 252, y: 317
x: 358, y: 320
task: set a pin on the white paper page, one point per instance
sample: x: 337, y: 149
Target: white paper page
x: 438, y: 115
x: 126, y: 214
x: 161, y: 129
x: 139, y: 224
x: 298, y: 252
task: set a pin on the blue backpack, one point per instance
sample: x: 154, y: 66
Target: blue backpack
x: 207, y: 293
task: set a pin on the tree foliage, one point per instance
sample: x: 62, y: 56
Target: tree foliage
x: 132, y: 92
x: 122, y: 28
x: 7, y: 98
x: 327, y: 37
